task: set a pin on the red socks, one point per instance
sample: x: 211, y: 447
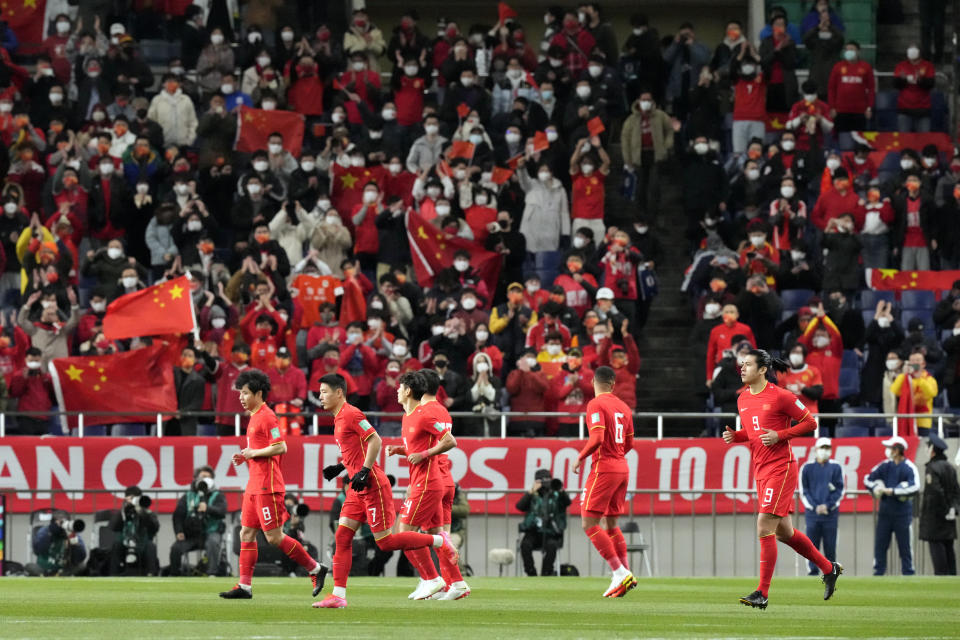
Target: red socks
x: 422, y: 562
x: 768, y: 562
x: 297, y: 553
x: 802, y: 545
x: 248, y: 558
x: 342, y: 555
x: 619, y: 544
x: 602, y: 543
x: 405, y: 540
x: 450, y: 571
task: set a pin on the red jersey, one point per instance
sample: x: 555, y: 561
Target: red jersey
x: 773, y: 408
x: 914, y: 236
x: 750, y: 99
x: 809, y: 376
x: 351, y: 430
x: 420, y: 432
x: 610, y: 413
x: 852, y: 87
x: 919, y: 77
x: 587, y: 196
x: 438, y: 414
x: 263, y: 431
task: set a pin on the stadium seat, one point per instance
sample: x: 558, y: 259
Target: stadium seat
x: 917, y: 300
x: 939, y: 112
x: 886, y: 101
x: 869, y: 299
x: 883, y: 432
x: 867, y: 317
x: 851, y: 432
x: 849, y: 382
x: 850, y: 360
x: 793, y: 299
x: 891, y: 162
x: 871, y: 424
x: 925, y: 315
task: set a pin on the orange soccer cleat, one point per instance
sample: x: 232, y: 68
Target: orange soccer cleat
x: 331, y: 602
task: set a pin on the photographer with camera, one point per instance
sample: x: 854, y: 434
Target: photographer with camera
x: 134, y: 552
x: 295, y: 528
x: 546, y: 508
x: 59, y: 549
x: 198, y: 522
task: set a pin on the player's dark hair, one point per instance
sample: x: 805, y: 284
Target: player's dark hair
x: 334, y: 381
x: 605, y: 376
x: 765, y: 360
x: 431, y: 381
x: 255, y: 380
x: 415, y: 382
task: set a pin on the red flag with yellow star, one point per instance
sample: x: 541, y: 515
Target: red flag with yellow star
x: 254, y: 126
x: 882, y: 142
x: 26, y: 18
x: 164, y: 308
x: 131, y: 381
x: 432, y: 250
x: 893, y: 280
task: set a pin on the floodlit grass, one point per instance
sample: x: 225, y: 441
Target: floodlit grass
x: 532, y: 608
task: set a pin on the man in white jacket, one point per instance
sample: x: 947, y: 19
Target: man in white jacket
x: 174, y: 112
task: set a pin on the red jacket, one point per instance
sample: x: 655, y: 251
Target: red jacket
x: 287, y: 385
x: 852, y: 87
x: 387, y: 398
x: 409, y: 100
x: 319, y: 333
x: 248, y: 327
x: 721, y: 337
x: 920, y: 79
x: 625, y: 386
x: 750, y: 99
x: 527, y: 390
x: 34, y: 391
x: 306, y: 96
x: 757, y: 266
x: 536, y: 337
x: 400, y: 185
x: 832, y: 204
x: 363, y: 366
x: 576, y: 296
x: 620, y: 266
x: 562, y: 397
x: 827, y: 359
x: 227, y: 399
x: 357, y: 81
x: 366, y: 236
x: 800, y: 109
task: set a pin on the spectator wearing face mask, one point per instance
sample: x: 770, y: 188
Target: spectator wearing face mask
x: 915, y: 79
x: 107, y: 264
x: 360, y: 360
x: 330, y: 238
x: 574, y: 44
x: 760, y: 309
x: 509, y: 321
x: 851, y: 90
x: 527, y: 385
x: 587, y: 204
x: 750, y: 97
x: 546, y: 215
x: 705, y: 185
x: 841, y: 268
x: 837, y: 201
x: 224, y: 373
x: 364, y: 37
x: 809, y: 118
x: 49, y: 333
x: 481, y: 395
x: 883, y: 335
x: 878, y: 218
x: 160, y: 241
x: 822, y: 486
x: 579, y: 287
x: 913, y: 228
x: 288, y: 384
x: 471, y: 312
x: 915, y: 389
x: 385, y: 391
x: 32, y: 386
x: 778, y: 53
x: 757, y: 256
x: 426, y: 150
x: 552, y: 350
x: 583, y: 106
x: 788, y: 217
x: 725, y: 383
x: 484, y: 344
x: 824, y: 346
x: 722, y: 335
x: 174, y: 112
x: 894, y: 482
x: 802, y: 379
x: 548, y: 324
x: 625, y: 361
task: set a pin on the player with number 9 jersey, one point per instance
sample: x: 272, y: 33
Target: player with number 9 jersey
x: 610, y: 422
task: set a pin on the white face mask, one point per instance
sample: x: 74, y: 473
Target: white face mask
x: 797, y: 256
x: 128, y: 282
x: 913, y: 53
x: 594, y: 70
x: 275, y: 148
x: 395, y: 168
x: 437, y: 330
x: 461, y: 265
x: 98, y: 116
x: 46, y: 304
x: 787, y: 145
x: 433, y: 192
x: 753, y: 174
x: 359, y: 65
x: 194, y: 225
x: 849, y: 55
x: 388, y: 114
x: 821, y: 342
x: 369, y: 196
x: 810, y: 97
x: 10, y: 207
x: 701, y: 148
x: 554, y: 349
x: 33, y: 364
x: 376, y: 135
x: 906, y: 164
x: 646, y: 105
x: 216, y: 38
x: 544, y: 176
x: 460, y: 174
x: 888, y: 452
x: 180, y: 189
x: 552, y: 135
x: 357, y: 161
x: 323, y: 204
x: 6, y: 107
x: 788, y: 191
x: 113, y: 253
x: 467, y: 81
x: 481, y: 200
x: 263, y: 61
x: 833, y: 164
x: 332, y: 220
x: 511, y: 137
x: 226, y: 89
x: 796, y: 360
x: 893, y: 365
x: 98, y: 307
x: 598, y: 337
x: 287, y: 36
x: 442, y: 209
x: 254, y: 189
x: 883, y: 323
x: 579, y: 242
x: 411, y: 70
x: 337, y: 117
x: 354, y: 337
x: 757, y: 241
x: 106, y: 169
x: 556, y: 64
x: 399, y: 350
x: 583, y: 92
x: 823, y: 454
x: 586, y: 169
x: 482, y: 336
x: 531, y: 361
x: 482, y: 367
x: 261, y: 165
x: 431, y: 129
x: 956, y: 331
x: 476, y: 138
x: 218, y: 323
x: 63, y: 26
x: 929, y: 162
x: 533, y: 288
x: 711, y: 309
x: 55, y: 98
x: 748, y: 69
x: 308, y: 165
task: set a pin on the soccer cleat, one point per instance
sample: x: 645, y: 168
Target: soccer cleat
x: 448, y: 548
x: 429, y: 588
x: 440, y: 594
x: 619, y: 586
x: 632, y: 585
x: 830, y: 580
x: 413, y: 594
x: 458, y: 591
x: 755, y: 600
x: 331, y: 602
x: 237, y: 593
x: 318, y: 578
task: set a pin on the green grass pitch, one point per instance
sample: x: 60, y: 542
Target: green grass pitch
x: 528, y: 608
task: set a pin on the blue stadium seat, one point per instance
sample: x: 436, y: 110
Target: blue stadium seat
x: 850, y: 360
x: 869, y: 299
x: 891, y: 162
x: 917, y: 300
x: 849, y: 383
x: 793, y: 299
x: 946, y: 333
x: 886, y: 101
x: 883, y: 432
x: 868, y: 423
x: 851, y: 432
x: 867, y: 317
x: 925, y: 315
x: 547, y: 261
x: 885, y: 177
x: 786, y: 314
x: 206, y: 429
x: 939, y: 111
x: 845, y: 141
x: 886, y: 120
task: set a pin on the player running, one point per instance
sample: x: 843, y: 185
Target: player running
x: 611, y: 437
x: 765, y: 412
x: 426, y: 436
x: 263, y: 507
x: 370, y: 499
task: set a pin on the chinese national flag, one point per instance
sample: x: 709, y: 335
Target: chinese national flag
x: 254, y: 126
x: 26, y: 19
x: 462, y: 110
x: 133, y: 381
x: 505, y: 12
x: 595, y: 126
x: 893, y: 280
x: 499, y: 175
x: 540, y: 141
x: 346, y: 187
x: 161, y: 309
x: 461, y: 149
x: 884, y: 141
x: 432, y: 251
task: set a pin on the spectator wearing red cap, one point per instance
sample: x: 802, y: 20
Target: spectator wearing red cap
x: 527, y: 386
x: 852, y: 89
x: 721, y: 336
x: 837, y: 201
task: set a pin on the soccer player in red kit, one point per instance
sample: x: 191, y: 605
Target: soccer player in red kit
x: 766, y: 411
x: 370, y: 499
x: 426, y: 436
x: 611, y: 437
x: 263, y: 507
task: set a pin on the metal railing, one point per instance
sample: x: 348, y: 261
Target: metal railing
x: 681, y: 542
x: 503, y: 417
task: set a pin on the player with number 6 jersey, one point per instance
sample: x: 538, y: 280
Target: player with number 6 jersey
x: 766, y: 412
x: 610, y: 422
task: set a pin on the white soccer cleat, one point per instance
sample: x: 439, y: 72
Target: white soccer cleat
x: 429, y: 588
x: 440, y: 594
x: 619, y: 585
x: 413, y: 593
x: 457, y: 591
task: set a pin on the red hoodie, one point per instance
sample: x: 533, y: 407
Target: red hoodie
x: 852, y: 87
x: 721, y: 337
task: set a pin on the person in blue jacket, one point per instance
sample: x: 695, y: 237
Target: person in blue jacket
x: 894, y: 482
x: 821, y: 489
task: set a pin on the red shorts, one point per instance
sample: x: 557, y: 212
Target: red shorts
x: 448, y: 492
x: 775, y: 490
x: 423, y: 508
x: 264, y: 511
x: 603, y: 493
x: 374, y: 505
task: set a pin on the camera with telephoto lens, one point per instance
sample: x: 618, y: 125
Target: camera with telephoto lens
x: 131, y: 509
x: 623, y: 285
x: 73, y: 526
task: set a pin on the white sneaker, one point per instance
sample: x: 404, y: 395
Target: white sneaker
x: 457, y: 591
x: 429, y: 588
x: 618, y: 584
x: 415, y: 591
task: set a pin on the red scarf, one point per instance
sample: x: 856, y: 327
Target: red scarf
x: 906, y: 426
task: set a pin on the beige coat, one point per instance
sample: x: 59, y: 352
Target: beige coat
x: 355, y: 42
x: 661, y: 130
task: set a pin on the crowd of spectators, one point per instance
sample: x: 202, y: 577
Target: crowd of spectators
x: 123, y: 172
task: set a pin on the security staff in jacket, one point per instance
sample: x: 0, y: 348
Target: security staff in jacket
x: 546, y: 508
x: 939, y: 507
x: 198, y: 522
x: 894, y: 482
x: 821, y: 489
